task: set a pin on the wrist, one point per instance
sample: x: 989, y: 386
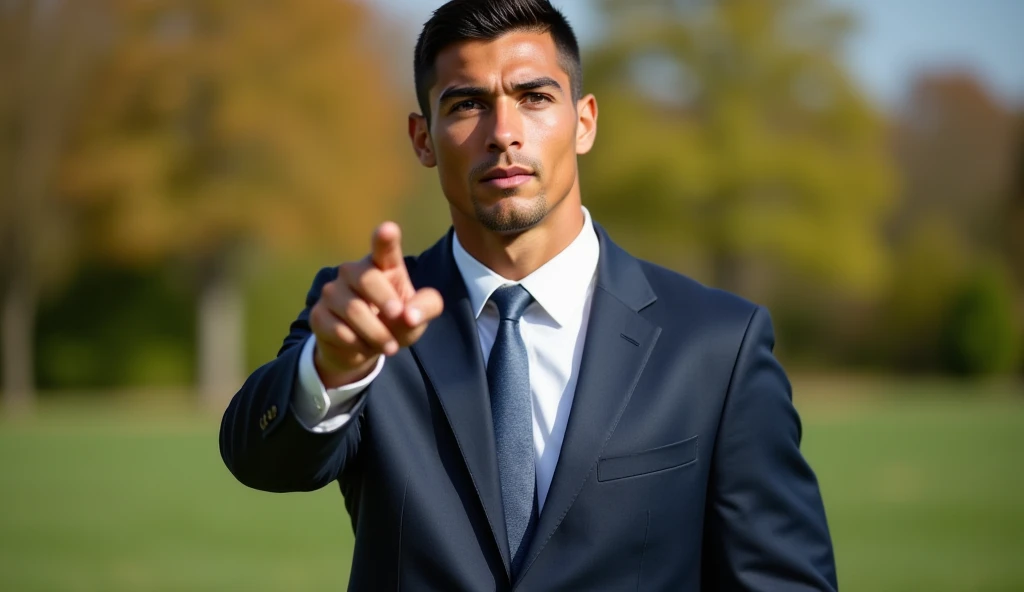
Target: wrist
x: 333, y: 376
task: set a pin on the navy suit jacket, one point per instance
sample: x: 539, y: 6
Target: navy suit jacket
x: 680, y: 469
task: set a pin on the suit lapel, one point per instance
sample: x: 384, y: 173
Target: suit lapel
x: 616, y: 348
x: 449, y: 352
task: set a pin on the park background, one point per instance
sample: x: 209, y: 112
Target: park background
x: 174, y: 172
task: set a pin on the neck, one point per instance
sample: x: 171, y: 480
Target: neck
x: 515, y: 256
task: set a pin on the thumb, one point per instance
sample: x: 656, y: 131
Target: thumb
x: 424, y: 306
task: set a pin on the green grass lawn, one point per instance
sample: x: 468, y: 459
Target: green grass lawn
x: 922, y: 492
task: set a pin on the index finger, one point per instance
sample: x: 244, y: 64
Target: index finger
x: 386, y: 249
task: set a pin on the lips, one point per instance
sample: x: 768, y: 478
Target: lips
x: 509, y: 178
x: 500, y: 173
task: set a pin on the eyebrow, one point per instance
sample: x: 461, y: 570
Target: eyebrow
x: 462, y: 92
x: 536, y: 83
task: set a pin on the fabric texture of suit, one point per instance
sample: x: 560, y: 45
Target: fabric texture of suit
x: 680, y: 469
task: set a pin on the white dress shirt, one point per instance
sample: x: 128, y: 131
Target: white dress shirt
x: 553, y: 327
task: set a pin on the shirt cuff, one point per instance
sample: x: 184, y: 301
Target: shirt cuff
x: 318, y: 408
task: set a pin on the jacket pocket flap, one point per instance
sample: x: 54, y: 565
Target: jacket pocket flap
x: 648, y: 461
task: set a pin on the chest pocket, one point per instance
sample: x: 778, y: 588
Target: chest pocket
x: 662, y: 458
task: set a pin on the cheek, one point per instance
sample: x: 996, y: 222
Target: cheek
x: 452, y: 164
x: 547, y: 128
x: 450, y: 146
x: 556, y: 134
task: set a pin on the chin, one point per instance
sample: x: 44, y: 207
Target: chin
x: 511, y: 213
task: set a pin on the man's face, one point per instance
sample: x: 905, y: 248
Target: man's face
x: 504, y: 130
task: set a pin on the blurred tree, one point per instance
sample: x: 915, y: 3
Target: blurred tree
x: 89, y: 339
x: 46, y: 50
x: 981, y: 335
x: 954, y: 144
x: 1013, y: 230
x: 932, y: 265
x: 732, y: 131
x: 221, y: 130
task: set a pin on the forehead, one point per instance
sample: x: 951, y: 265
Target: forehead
x: 515, y: 56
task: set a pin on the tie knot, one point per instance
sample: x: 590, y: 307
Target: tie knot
x: 511, y: 301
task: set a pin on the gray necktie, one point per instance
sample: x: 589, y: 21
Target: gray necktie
x: 508, y: 377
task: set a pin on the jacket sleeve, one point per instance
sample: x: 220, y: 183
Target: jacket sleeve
x: 263, y: 444
x: 765, y: 527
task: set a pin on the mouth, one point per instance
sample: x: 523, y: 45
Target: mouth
x: 503, y: 178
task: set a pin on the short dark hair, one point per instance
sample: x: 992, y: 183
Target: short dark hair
x: 486, y: 20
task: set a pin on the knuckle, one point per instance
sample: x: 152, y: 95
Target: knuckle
x: 320, y: 319
x: 355, y: 308
x: 377, y: 334
x: 316, y: 315
x: 344, y: 335
x: 328, y: 290
x: 367, y: 280
x: 348, y: 270
x: 377, y: 339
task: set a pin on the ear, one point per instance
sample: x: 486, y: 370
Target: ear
x: 586, y: 124
x: 419, y: 134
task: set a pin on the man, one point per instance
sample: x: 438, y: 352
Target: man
x: 525, y: 405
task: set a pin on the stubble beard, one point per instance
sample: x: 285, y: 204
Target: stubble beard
x: 511, y: 218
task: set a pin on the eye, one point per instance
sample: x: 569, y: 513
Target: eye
x: 537, y: 98
x: 465, y: 106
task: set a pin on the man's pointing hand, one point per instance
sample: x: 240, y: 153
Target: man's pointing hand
x: 371, y: 309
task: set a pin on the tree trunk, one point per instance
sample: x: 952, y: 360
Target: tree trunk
x: 51, y: 46
x: 16, y: 324
x: 221, y: 338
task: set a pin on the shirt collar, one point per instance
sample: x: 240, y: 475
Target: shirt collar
x: 559, y: 286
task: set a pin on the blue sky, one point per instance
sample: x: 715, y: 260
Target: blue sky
x: 899, y: 37
x: 895, y: 39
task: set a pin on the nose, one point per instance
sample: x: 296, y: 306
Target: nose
x: 506, y: 127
